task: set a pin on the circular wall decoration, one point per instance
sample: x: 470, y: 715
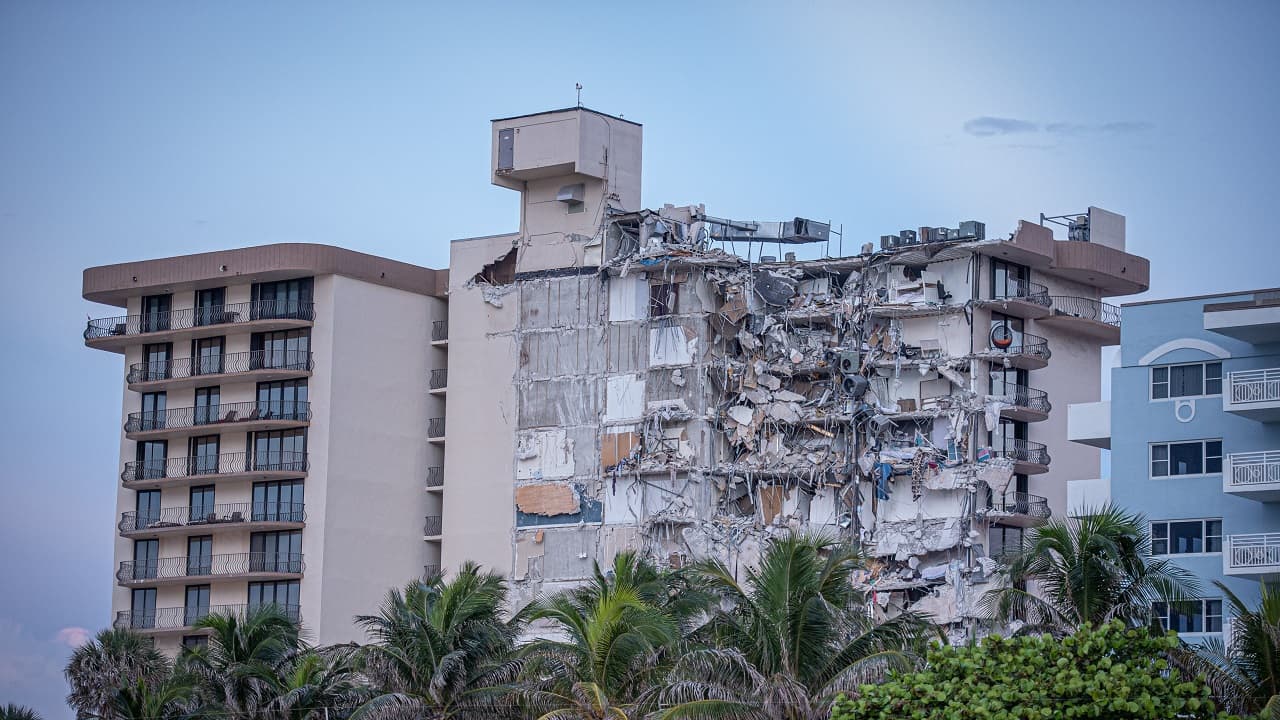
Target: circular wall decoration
x: 1184, y: 405
x: 1001, y: 336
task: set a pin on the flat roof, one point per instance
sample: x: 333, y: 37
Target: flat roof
x: 568, y: 109
x: 1199, y: 297
x: 115, y: 284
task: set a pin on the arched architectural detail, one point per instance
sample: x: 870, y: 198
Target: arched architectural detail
x: 1203, y: 346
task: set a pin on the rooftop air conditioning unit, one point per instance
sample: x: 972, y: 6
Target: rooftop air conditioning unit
x: 889, y: 242
x: 973, y: 230
x: 908, y: 237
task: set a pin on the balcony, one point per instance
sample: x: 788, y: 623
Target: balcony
x: 432, y: 527
x: 439, y: 381
x: 183, y: 618
x: 1255, y: 476
x: 1026, y: 404
x: 1113, y: 271
x: 1020, y: 510
x: 257, y: 366
x: 1254, y: 394
x: 440, y: 332
x: 1255, y: 321
x: 1252, y: 556
x: 435, y: 477
x: 1090, y: 424
x: 176, y: 472
x: 435, y: 430
x: 179, y: 570
x: 430, y: 570
x: 1021, y: 298
x: 1084, y: 316
x: 116, y: 333
x: 1026, y: 352
x: 245, y: 416
x: 210, y: 519
x: 1029, y: 457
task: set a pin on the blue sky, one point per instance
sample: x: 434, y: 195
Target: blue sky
x: 138, y: 130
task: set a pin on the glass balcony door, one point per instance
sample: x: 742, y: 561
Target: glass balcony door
x: 197, y: 604
x: 210, y: 306
x: 146, y: 559
x: 142, y: 612
x: 155, y: 313
x: 147, y: 509
x: 200, y: 555
x: 207, y: 356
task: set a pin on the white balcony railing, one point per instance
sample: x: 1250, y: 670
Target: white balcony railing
x: 1255, y: 468
x: 1250, y: 386
x: 1255, y: 551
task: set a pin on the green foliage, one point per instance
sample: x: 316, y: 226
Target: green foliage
x: 17, y: 712
x: 1246, y: 676
x: 1110, y: 672
x: 115, y: 659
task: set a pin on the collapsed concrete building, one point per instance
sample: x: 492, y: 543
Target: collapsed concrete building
x: 627, y: 378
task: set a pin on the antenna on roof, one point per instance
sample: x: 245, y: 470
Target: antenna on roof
x: 578, y: 87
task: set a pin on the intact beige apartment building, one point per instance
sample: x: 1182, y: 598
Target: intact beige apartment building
x: 612, y: 378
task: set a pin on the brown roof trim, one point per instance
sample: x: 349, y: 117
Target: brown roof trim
x: 1199, y: 297
x: 114, y: 284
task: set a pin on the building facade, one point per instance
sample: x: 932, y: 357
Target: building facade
x: 1193, y: 425
x: 617, y: 378
x: 274, y: 408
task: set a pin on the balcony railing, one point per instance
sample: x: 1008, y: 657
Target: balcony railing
x: 1022, y: 504
x: 1026, y: 451
x: 1027, y: 344
x: 1256, y: 468
x: 439, y: 330
x: 221, y: 414
x: 199, y: 317
x: 224, y: 464
x: 205, y: 515
x: 1255, y: 551
x: 1250, y: 386
x: 1086, y: 308
x: 230, y: 363
x: 1025, y: 290
x: 439, y: 378
x: 435, y: 427
x: 433, y: 525
x: 176, y: 618
x: 435, y: 476
x: 210, y: 565
x: 1023, y: 396
x: 430, y: 570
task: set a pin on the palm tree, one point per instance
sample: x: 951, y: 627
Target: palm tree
x: 166, y: 700
x: 318, y: 684
x: 440, y: 649
x: 1247, y: 675
x: 788, y: 639
x: 114, y: 659
x: 237, y: 671
x: 615, y: 634
x: 18, y: 712
x: 1093, y: 568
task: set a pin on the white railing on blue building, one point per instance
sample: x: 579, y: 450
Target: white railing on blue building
x: 1255, y: 468
x: 1255, y: 551
x: 1250, y: 386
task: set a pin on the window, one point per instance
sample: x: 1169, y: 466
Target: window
x: 1190, y: 380
x: 192, y: 642
x: 283, y: 450
x: 157, y: 361
x: 1009, y: 280
x: 151, y: 457
x: 1190, y: 616
x: 197, y: 605
x: 146, y: 559
x: 208, y: 402
x: 283, y: 593
x: 1008, y: 437
x: 147, y: 509
x: 663, y: 298
x: 282, y: 299
x: 1001, y: 540
x: 276, y: 551
x: 283, y: 399
x: 1197, y: 457
x: 202, y: 458
x: 209, y: 306
x: 153, y: 406
x: 200, y: 555
x: 278, y: 501
x: 287, y: 349
x: 142, y: 611
x: 206, y: 356
x: 155, y: 313
x: 202, y: 506
x: 1186, y: 537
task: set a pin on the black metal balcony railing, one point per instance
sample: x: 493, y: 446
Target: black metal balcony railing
x: 435, y: 427
x: 199, y: 317
x: 206, y: 515
x: 430, y: 570
x: 176, y: 618
x: 210, y: 565
x: 433, y: 525
x: 1086, y: 308
x: 1023, y: 396
x: 1018, y: 289
x: 221, y: 414
x: 1029, y: 345
x: 440, y: 330
x: 1026, y: 451
x: 435, y: 476
x: 224, y: 464
x: 439, y: 378
x: 229, y: 363
x: 1022, y: 504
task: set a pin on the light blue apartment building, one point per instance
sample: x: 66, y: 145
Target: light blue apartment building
x: 1193, y: 425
